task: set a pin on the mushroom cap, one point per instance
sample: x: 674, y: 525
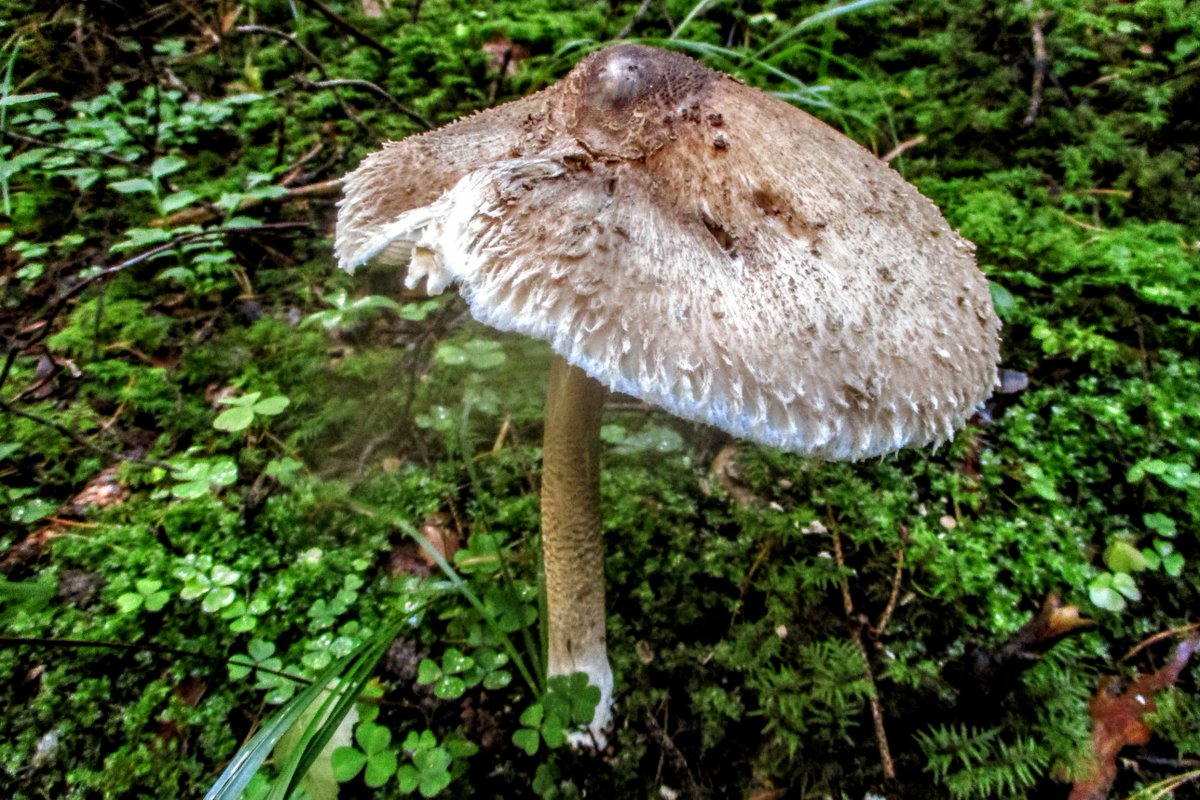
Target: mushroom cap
x: 694, y: 242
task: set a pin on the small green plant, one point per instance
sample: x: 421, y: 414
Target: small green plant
x: 243, y: 616
x: 243, y: 410
x: 568, y: 704
x: 210, y: 583
x: 148, y: 594
x: 198, y: 477
x: 432, y: 764
x: 374, y: 757
x: 260, y: 658
x: 458, y: 672
x: 1176, y: 474
x: 346, y: 311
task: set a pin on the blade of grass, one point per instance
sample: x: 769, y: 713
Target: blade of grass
x: 459, y: 584
x: 336, y: 705
x: 741, y: 62
x: 350, y: 673
x: 5, y: 90
x: 249, y: 759
x: 700, y: 8
x: 816, y: 19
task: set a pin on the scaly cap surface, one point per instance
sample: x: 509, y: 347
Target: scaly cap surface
x: 699, y: 244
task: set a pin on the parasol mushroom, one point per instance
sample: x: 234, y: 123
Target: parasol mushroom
x: 680, y: 237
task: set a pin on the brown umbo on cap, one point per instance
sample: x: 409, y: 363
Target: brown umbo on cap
x: 699, y: 244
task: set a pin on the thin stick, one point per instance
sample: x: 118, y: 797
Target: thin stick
x: 67, y: 148
x: 200, y: 214
x: 350, y: 113
x: 23, y: 641
x: 1158, y: 637
x: 635, y: 19
x: 356, y: 32
x: 885, y: 753
x: 893, y: 598
x: 380, y: 92
x: 1040, y: 62
x: 80, y: 440
x: 903, y: 147
x: 61, y: 300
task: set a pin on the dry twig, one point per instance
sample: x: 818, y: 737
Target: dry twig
x: 356, y: 32
x: 903, y: 147
x: 856, y: 629
x: 1040, y: 62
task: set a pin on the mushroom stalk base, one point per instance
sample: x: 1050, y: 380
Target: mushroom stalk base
x: 572, y: 545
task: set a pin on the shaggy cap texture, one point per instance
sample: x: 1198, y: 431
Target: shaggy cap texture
x: 699, y: 244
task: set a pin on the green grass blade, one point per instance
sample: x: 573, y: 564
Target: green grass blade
x: 816, y: 19
x: 248, y: 760
x: 459, y: 584
x: 700, y: 8
x: 333, y: 710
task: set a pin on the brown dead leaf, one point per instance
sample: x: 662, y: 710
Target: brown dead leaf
x: 438, y: 530
x: 410, y: 558
x: 726, y: 473
x: 374, y: 8
x: 215, y: 393
x: 1118, y: 720
x: 230, y: 19
x: 505, y: 55
x: 78, y: 587
x: 767, y: 794
x: 102, y: 491
x: 191, y: 690
x: 29, y: 548
x: 985, y: 675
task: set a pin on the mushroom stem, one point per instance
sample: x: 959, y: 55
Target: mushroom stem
x: 572, y: 547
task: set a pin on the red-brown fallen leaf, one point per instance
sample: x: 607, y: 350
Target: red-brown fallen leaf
x: 1118, y: 719
x: 767, y: 794
x: 191, y: 690
x: 505, y: 55
x: 29, y: 548
x: 102, y: 491
x: 442, y: 537
x: 410, y: 558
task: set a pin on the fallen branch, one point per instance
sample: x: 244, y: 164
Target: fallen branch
x: 380, y: 92
x: 21, y: 137
x: 44, y: 326
x: 80, y: 440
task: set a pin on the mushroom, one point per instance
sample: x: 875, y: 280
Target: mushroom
x: 683, y: 238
